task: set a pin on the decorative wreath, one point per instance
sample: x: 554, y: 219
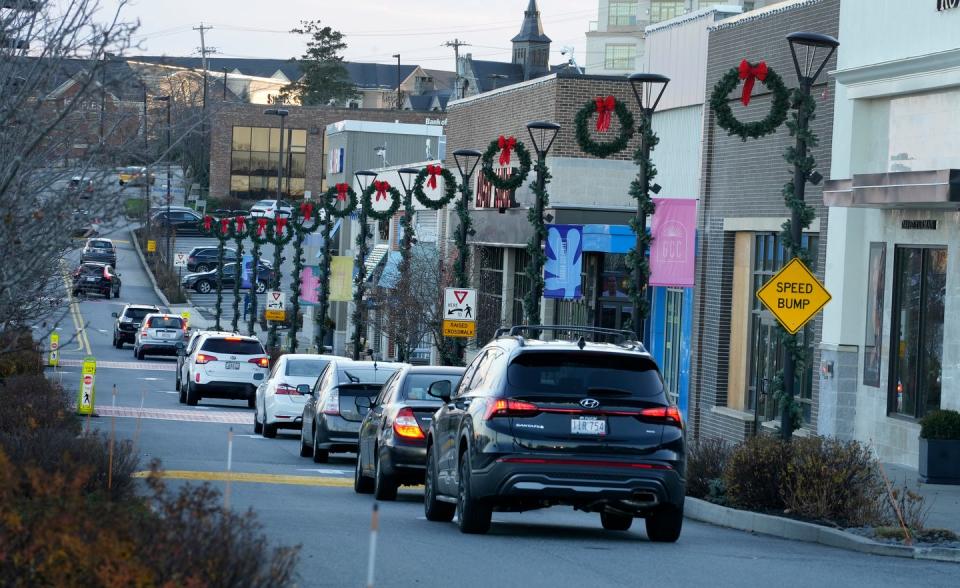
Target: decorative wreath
x: 449, y: 186
x: 306, y: 219
x: 749, y: 73
x: 381, y: 190
x: 604, y: 107
x: 340, y: 192
x: 505, y: 145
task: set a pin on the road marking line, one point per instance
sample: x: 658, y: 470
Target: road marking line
x: 83, y: 341
x: 252, y: 478
x: 233, y: 418
x: 124, y: 365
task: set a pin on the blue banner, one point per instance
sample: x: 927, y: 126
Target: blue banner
x: 247, y: 272
x: 561, y: 273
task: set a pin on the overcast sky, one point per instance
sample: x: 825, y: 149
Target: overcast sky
x: 374, y: 29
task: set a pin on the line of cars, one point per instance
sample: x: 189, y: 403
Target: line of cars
x: 96, y: 272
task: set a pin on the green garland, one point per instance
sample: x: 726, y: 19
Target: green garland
x: 461, y: 279
x: 516, y: 178
x: 259, y: 238
x: 220, y: 230
x: 608, y: 148
x: 360, y: 281
x: 304, y: 222
x: 720, y: 105
x: 330, y: 201
x: 449, y: 189
x: 637, y: 260
x: 534, y: 269
x: 396, y: 199
x: 323, y: 289
x: 238, y: 233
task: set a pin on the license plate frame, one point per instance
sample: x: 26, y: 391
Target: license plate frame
x: 233, y: 365
x: 589, y: 426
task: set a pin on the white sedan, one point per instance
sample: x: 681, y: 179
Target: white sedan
x: 279, y: 404
x: 268, y: 209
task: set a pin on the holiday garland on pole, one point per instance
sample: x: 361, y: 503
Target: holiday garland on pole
x: 604, y: 109
x: 534, y: 269
x: 637, y: 261
x: 748, y: 72
x: 279, y: 234
x: 428, y: 176
x: 218, y: 228
x: 259, y: 237
x: 377, y: 191
x: 506, y: 146
x: 238, y: 234
x: 305, y: 221
x: 339, y: 193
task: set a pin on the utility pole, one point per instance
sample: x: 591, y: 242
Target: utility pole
x: 456, y: 44
x: 203, y: 113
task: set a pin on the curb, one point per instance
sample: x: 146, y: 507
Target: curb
x: 146, y: 268
x: 754, y: 522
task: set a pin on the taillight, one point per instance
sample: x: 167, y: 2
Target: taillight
x: 106, y: 276
x: 286, y: 389
x: 508, y: 407
x: 263, y: 362
x: 406, y: 425
x: 670, y: 415
x: 332, y: 405
x: 143, y: 333
x: 204, y: 358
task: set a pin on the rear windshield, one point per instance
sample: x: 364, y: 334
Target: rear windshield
x: 169, y: 322
x: 234, y: 346
x: 139, y: 313
x: 91, y: 269
x: 264, y: 203
x: 365, y: 375
x: 583, y: 374
x: 101, y: 244
x: 417, y: 384
x: 306, y: 367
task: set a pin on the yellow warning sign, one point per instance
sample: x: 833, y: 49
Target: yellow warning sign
x: 85, y: 398
x: 464, y: 329
x: 151, y: 246
x: 794, y: 295
x: 185, y: 315
x: 275, y: 315
x: 54, y: 358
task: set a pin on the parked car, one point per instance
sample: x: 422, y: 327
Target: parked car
x: 182, y: 221
x: 204, y: 259
x: 206, y: 282
x: 268, y: 208
x: 96, y: 277
x: 222, y: 365
x: 537, y: 423
x: 280, y: 399
x: 155, y: 210
x: 99, y: 249
x: 81, y: 185
x: 332, y: 414
x: 135, y: 176
x: 393, y: 448
x: 159, y: 335
x: 128, y: 321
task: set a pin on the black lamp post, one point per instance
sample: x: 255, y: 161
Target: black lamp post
x: 810, y: 52
x: 364, y: 179
x: 467, y: 161
x: 407, y: 176
x: 648, y: 89
x: 542, y: 135
x: 169, y: 224
x: 272, y: 343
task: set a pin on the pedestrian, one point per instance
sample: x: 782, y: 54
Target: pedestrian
x: 246, y: 304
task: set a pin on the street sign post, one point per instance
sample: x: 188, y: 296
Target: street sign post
x: 276, y: 302
x: 185, y: 315
x: 54, y: 358
x: 794, y: 295
x: 180, y: 259
x: 86, y: 395
x: 459, y: 312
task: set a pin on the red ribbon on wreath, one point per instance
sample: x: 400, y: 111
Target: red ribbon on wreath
x: 507, y: 146
x: 207, y: 221
x: 750, y: 74
x: 605, y: 108
x: 433, y: 171
x: 342, y: 191
x: 381, y: 188
x: 281, y: 223
x: 306, y: 209
x: 261, y: 226
x: 241, y: 223
x: 224, y: 225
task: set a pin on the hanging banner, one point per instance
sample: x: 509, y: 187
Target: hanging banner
x: 246, y: 272
x: 561, y: 272
x: 85, y: 396
x: 310, y: 285
x: 341, y: 278
x: 672, y: 251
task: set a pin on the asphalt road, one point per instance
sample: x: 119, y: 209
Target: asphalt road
x: 299, y: 502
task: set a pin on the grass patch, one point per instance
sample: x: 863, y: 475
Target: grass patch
x: 135, y: 207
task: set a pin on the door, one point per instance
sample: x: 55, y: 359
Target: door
x: 616, y: 315
x: 445, y: 443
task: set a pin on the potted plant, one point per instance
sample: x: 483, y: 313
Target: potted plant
x: 940, y: 447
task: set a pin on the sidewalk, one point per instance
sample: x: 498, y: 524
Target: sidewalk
x: 943, y: 500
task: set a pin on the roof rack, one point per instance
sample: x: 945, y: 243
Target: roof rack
x: 598, y: 334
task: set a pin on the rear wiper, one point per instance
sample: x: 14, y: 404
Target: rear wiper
x: 353, y: 379
x: 604, y: 390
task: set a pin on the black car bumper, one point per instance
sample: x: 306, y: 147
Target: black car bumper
x: 231, y: 390
x: 405, y: 461
x: 159, y: 348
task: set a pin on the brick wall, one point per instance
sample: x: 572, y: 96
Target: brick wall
x: 744, y: 179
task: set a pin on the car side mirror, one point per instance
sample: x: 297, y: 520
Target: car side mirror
x: 115, y: 314
x: 440, y: 389
x: 181, y: 349
x: 304, y: 389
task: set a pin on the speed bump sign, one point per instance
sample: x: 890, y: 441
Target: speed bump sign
x: 794, y: 295
x: 151, y: 246
x: 85, y: 398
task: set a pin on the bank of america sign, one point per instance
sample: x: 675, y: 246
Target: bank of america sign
x: 947, y: 4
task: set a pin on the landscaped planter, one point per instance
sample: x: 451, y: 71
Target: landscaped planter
x: 939, y: 461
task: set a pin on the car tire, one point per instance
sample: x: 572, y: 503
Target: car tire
x: 305, y: 450
x: 319, y: 455
x: 615, y: 522
x: 384, y: 486
x: 473, y: 517
x: 108, y: 293
x: 361, y: 483
x: 252, y: 402
x: 257, y: 425
x: 116, y: 341
x: 203, y: 287
x: 270, y: 431
x: 179, y: 386
x: 182, y: 393
x: 202, y: 268
x: 138, y: 353
x: 433, y: 509
x: 193, y: 395
x: 664, y: 524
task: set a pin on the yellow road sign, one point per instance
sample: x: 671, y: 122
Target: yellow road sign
x: 794, y: 295
x: 465, y: 329
x: 54, y: 358
x: 185, y: 315
x: 85, y: 397
x: 275, y: 315
x: 151, y: 246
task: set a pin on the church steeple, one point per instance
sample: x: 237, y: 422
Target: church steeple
x: 531, y: 48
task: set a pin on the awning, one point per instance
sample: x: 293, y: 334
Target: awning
x: 376, y: 256
x: 920, y: 189
x: 608, y: 238
x: 391, y: 272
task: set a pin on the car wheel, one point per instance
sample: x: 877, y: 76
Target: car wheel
x: 261, y: 287
x: 270, y: 431
x: 107, y: 293
x: 615, y: 522
x: 252, y: 402
x: 305, y: 450
x: 472, y: 516
x: 257, y: 425
x: 202, y: 268
x: 203, y: 287
x: 193, y: 395
x: 319, y: 455
x: 179, y: 387
x: 361, y: 483
x: 433, y: 509
x: 137, y: 354
x: 182, y: 396
x: 116, y: 341
x: 664, y: 524
x: 385, y: 487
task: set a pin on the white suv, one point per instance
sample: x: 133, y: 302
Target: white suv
x: 222, y: 365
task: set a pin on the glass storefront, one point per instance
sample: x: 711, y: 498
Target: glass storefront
x: 254, y: 159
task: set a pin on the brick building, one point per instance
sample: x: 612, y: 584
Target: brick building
x: 736, y: 351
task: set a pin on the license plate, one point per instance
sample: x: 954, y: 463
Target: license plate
x: 233, y: 365
x: 588, y: 426
x: 167, y: 334
x: 91, y: 279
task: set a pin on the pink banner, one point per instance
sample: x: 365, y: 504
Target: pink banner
x: 674, y: 231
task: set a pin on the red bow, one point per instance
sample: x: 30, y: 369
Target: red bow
x: 261, y: 226
x: 241, y: 223
x: 751, y: 73
x: 207, y: 221
x: 342, y: 191
x: 381, y: 188
x: 306, y: 209
x: 507, y: 146
x: 281, y: 223
x: 224, y: 225
x: 605, y: 108
x: 433, y: 171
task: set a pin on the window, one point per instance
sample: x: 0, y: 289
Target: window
x: 580, y: 312
x: 521, y: 284
x: 254, y: 159
x: 233, y: 346
x: 583, y: 373
x: 671, y: 347
x: 619, y: 57
x: 665, y: 9
x: 916, y: 347
x: 623, y: 13
x: 874, y: 330
x: 490, y: 293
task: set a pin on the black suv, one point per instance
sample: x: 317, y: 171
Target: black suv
x: 96, y: 277
x: 536, y: 423
x: 204, y: 259
x: 128, y: 321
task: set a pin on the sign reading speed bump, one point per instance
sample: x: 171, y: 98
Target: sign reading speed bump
x: 460, y: 312
x: 794, y: 295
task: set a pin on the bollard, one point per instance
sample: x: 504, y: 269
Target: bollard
x: 226, y: 493
x: 374, y: 527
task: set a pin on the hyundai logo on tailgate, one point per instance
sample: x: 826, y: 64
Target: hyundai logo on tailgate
x: 589, y: 403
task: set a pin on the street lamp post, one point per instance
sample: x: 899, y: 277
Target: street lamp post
x: 804, y: 48
x: 364, y: 179
x: 167, y: 100
x: 542, y: 134
x: 467, y: 160
x: 648, y: 89
x: 277, y: 248
x: 399, y: 105
x: 407, y: 175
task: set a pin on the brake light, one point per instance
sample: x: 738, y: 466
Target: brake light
x: 143, y: 333
x: 332, y: 405
x: 106, y: 276
x: 204, y: 358
x: 668, y: 414
x: 233, y: 339
x: 508, y: 407
x: 263, y: 362
x: 406, y: 425
x: 286, y: 389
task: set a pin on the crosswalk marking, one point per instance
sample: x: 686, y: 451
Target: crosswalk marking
x: 124, y: 365
x: 247, y: 477
x: 234, y: 418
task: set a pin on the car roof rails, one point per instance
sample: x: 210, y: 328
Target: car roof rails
x: 577, y: 334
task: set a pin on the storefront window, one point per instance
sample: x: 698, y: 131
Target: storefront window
x: 521, y: 284
x: 490, y: 295
x: 671, y: 342
x: 580, y: 312
x: 920, y: 279
x: 874, y: 329
x: 615, y: 307
x: 254, y: 159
